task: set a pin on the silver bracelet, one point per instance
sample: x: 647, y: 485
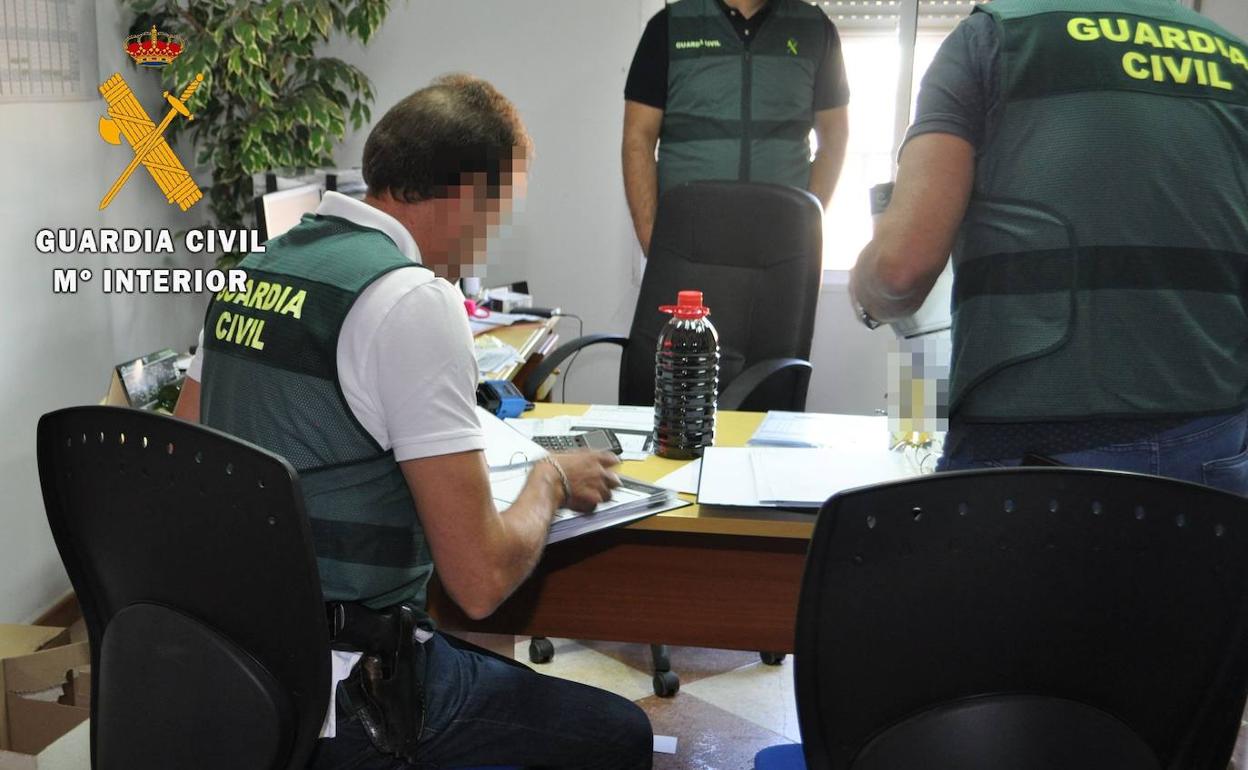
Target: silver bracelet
x: 563, y: 479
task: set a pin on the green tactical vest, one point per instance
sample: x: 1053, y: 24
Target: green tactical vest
x: 735, y: 111
x: 1100, y: 269
x: 271, y: 377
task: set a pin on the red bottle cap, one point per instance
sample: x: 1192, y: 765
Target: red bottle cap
x: 688, y: 305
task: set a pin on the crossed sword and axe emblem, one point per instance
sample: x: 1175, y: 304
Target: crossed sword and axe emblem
x: 127, y: 117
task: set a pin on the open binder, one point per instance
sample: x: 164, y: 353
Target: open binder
x: 510, y: 456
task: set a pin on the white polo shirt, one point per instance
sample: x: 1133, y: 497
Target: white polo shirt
x: 405, y: 357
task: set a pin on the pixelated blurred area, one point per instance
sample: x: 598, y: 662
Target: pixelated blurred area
x: 918, y: 392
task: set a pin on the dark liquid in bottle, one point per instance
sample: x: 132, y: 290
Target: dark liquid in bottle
x: 686, y: 384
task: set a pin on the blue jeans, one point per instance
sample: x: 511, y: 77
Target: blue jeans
x: 481, y: 709
x: 1208, y: 450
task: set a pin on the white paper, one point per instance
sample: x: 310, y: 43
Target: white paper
x: 631, y: 501
x: 804, y: 478
x: 627, y: 418
x: 549, y: 426
x: 634, y: 446
x: 684, y: 478
x: 727, y: 477
x: 810, y: 429
x: 493, y: 354
x: 808, y: 477
x: 664, y: 744
x: 505, y: 447
x: 496, y: 319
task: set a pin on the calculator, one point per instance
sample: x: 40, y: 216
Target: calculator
x: 598, y: 439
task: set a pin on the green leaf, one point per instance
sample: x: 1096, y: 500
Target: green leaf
x: 253, y: 56
x: 290, y: 16
x: 266, y: 30
x: 357, y: 20
x: 323, y: 16
x: 245, y: 33
x: 234, y: 62
x: 302, y: 25
x: 267, y: 123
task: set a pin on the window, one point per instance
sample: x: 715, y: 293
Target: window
x: 877, y: 52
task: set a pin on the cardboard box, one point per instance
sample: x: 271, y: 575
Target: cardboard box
x: 47, y: 697
x: 16, y: 641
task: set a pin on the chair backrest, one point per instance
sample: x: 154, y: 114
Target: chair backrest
x: 998, y: 618
x: 756, y: 253
x: 192, y: 560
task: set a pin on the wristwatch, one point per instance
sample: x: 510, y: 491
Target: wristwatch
x: 865, y: 317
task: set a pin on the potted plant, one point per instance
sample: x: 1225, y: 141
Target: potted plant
x: 268, y: 100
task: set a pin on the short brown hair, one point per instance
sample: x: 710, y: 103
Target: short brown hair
x: 458, y: 125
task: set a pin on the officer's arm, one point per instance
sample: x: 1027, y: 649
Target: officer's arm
x: 187, y: 407
x: 832, y: 133
x: 482, y: 554
x: 914, y: 236
x: 641, y: 180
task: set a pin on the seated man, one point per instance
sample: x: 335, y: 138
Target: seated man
x: 351, y: 356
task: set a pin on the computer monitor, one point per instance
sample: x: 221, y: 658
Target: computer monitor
x: 279, y: 211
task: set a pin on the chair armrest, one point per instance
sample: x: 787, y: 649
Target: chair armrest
x: 741, y: 388
x: 562, y: 353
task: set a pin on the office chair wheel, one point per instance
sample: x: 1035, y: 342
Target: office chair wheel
x: 666, y: 684
x: 541, y: 650
x: 772, y: 658
x: 658, y: 653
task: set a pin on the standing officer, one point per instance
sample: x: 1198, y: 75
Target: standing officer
x: 729, y: 89
x: 1085, y: 161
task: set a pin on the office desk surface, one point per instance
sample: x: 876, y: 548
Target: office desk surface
x: 732, y: 429
x: 696, y: 576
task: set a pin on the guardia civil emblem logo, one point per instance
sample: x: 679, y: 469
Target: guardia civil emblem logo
x: 127, y: 118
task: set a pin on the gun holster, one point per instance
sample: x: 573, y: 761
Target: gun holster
x: 386, y: 688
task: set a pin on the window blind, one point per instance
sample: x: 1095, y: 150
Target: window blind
x: 850, y: 15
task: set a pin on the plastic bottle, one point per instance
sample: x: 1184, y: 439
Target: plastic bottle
x: 686, y: 380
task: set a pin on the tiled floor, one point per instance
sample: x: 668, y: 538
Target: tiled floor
x: 729, y: 706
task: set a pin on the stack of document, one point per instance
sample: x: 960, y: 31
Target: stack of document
x: 493, y: 354
x: 630, y: 501
x: 510, y: 455
x: 497, y: 320
x: 792, y: 478
x: 807, y: 429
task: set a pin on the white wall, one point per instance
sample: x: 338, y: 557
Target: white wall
x: 57, y: 351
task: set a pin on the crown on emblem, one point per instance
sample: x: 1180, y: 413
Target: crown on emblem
x: 154, y: 49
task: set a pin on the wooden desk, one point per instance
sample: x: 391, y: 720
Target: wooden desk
x: 529, y: 340
x: 696, y: 576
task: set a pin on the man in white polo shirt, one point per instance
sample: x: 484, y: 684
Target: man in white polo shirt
x: 349, y: 355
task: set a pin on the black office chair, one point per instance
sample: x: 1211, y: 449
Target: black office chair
x: 192, y: 560
x: 1031, y: 619
x: 756, y: 253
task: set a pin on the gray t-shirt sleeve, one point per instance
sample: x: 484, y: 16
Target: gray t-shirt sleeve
x: 959, y: 93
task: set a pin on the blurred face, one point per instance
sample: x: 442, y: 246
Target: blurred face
x: 465, y: 220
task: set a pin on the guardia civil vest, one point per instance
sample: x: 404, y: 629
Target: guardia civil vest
x: 270, y: 377
x: 738, y: 112
x: 1100, y: 270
